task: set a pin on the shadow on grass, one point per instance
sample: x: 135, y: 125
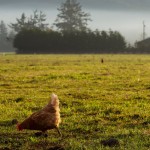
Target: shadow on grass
x: 25, y: 140
x: 8, y: 123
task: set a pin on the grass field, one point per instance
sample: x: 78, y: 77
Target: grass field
x: 98, y: 101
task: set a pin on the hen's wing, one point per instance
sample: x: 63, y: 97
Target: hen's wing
x: 43, y: 119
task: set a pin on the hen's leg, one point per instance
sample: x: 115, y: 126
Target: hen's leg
x: 58, y: 131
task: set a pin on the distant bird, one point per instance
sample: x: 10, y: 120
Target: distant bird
x: 102, y: 60
x: 45, y: 119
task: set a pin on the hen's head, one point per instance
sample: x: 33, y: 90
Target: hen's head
x: 19, y: 128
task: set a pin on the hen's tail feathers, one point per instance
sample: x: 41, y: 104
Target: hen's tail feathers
x: 54, y: 100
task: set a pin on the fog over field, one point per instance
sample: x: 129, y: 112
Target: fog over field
x: 125, y: 16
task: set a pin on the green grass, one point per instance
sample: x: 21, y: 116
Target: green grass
x: 98, y: 101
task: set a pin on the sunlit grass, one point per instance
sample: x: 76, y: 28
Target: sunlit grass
x: 98, y: 100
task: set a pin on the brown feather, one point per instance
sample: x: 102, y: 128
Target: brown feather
x: 45, y: 119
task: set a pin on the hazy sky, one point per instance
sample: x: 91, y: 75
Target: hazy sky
x: 125, y: 16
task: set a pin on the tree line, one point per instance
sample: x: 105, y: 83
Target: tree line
x: 49, y: 41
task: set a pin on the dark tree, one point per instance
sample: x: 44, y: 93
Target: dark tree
x: 116, y: 42
x: 37, y: 20
x: 21, y: 23
x: 71, y: 17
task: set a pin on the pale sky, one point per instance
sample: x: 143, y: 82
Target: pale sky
x: 125, y: 16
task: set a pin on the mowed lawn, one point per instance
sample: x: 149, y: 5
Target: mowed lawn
x: 98, y: 101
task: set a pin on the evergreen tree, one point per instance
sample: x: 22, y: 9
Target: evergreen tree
x: 3, y: 36
x: 5, y: 44
x: 41, y: 20
x: 21, y: 23
x: 3, y: 31
x: 71, y: 17
x: 37, y: 20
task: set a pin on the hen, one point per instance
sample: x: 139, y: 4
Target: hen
x: 45, y: 119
